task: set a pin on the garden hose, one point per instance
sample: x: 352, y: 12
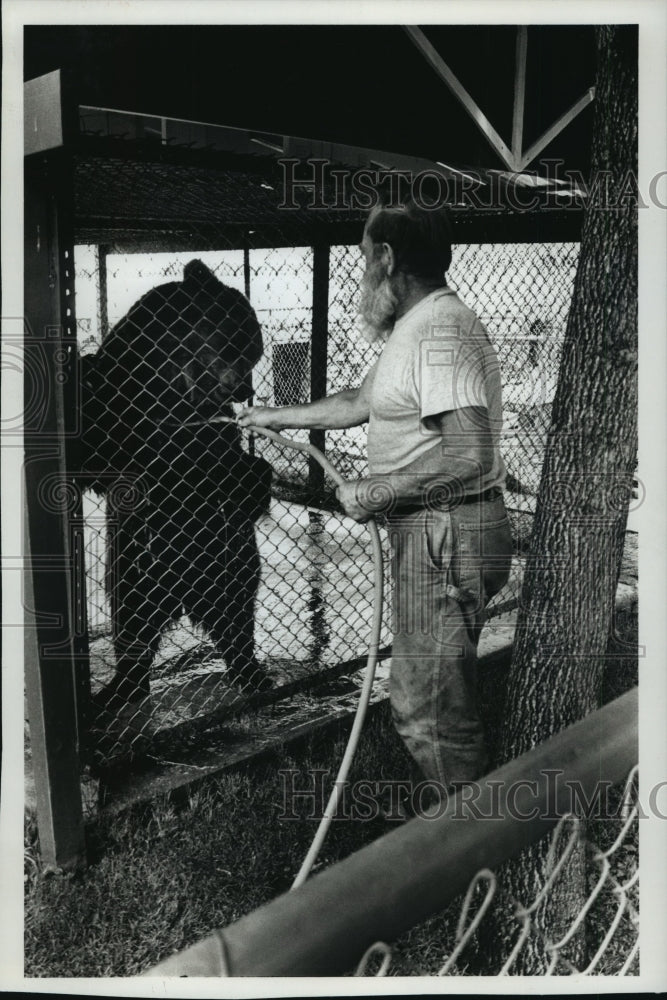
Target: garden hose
x: 371, y: 662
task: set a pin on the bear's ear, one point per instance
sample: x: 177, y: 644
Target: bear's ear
x: 196, y: 269
x: 196, y: 275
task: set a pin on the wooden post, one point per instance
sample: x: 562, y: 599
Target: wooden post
x: 102, y: 291
x: 246, y: 272
x: 56, y: 646
x: 318, y: 354
x: 246, y: 291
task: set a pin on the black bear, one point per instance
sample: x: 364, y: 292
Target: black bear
x: 182, y: 494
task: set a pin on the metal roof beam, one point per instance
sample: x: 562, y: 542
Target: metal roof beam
x: 444, y: 72
x: 519, y: 92
x: 557, y: 128
x: 42, y: 113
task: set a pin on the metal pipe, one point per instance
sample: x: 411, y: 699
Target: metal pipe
x: 371, y: 663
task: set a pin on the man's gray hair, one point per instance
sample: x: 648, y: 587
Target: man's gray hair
x: 421, y: 238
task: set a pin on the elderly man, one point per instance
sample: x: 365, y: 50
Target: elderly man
x: 433, y: 406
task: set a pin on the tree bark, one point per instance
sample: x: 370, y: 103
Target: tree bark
x: 568, y: 597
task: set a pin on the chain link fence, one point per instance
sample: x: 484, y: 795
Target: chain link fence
x: 522, y: 293
x: 219, y: 567
x: 207, y: 581
x: 608, y: 918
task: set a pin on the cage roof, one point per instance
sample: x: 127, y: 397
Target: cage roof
x: 382, y: 86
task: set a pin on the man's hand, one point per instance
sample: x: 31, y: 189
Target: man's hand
x: 348, y: 496
x: 262, y: 416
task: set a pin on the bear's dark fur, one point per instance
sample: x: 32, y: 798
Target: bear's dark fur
x: 181, y: 498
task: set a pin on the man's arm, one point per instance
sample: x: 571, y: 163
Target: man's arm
x: 348, y: 408
x: 455, y: 465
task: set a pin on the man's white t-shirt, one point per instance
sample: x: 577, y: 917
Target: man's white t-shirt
x: 438, y: 357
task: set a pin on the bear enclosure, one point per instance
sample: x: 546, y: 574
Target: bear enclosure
x: 123, y: 207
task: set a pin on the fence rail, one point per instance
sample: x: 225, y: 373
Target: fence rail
x: 613, y: 950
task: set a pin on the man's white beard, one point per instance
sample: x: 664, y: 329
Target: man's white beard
x: 377, y: 309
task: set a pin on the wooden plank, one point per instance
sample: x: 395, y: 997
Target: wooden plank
x: 435, y: 60
x: 177, y: 712
x: 557, y: 128
x: 167, y: 771
x: 167, y: 768
x: 519, y: 91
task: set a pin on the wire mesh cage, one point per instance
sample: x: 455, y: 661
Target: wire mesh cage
x: 202, y: 589
x: 219, y: 567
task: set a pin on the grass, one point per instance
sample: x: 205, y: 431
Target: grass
x: 163, y: 876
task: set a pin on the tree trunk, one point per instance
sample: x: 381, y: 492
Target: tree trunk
x: 567, y: 604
